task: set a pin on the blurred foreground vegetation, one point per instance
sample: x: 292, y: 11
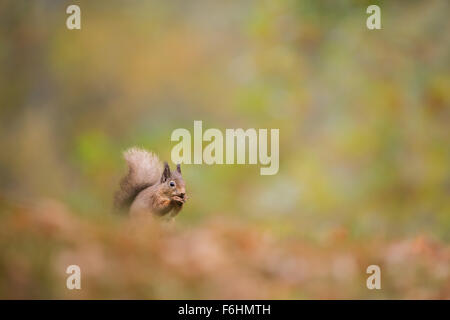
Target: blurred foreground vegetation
x: 219, y: 259
x: 364, y: 148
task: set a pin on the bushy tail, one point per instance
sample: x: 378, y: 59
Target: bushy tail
x: 144, y: 170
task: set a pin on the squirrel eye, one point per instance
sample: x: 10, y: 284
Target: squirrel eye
x: 172, y: 184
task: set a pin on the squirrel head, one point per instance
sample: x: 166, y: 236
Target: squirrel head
x: 172, y: 184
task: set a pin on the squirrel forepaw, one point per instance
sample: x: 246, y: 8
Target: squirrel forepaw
x: 178, y: 200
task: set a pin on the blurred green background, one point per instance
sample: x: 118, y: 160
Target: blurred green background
x: 363, y: 117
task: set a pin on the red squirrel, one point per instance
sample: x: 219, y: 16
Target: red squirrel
x: 150, y: 187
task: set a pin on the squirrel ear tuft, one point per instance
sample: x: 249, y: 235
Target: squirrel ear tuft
x: 179, y: 168
x: 166, y: 172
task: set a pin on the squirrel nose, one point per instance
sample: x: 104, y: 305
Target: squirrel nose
x: 182, y: 195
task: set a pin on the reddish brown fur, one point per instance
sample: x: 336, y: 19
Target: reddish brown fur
x: 142, y: 193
